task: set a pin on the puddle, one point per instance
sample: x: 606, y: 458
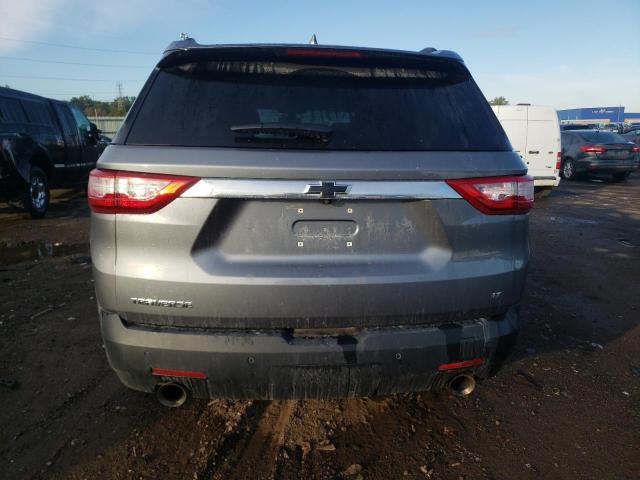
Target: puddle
x: 25, y: 252
x: 579, y: 221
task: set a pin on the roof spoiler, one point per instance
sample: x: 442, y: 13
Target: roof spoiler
x: 188, y: 43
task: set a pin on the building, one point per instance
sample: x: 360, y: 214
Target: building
x: 597, y: 115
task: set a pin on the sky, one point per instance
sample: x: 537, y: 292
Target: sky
x: 562, y: 53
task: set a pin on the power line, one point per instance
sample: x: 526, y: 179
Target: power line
x: 22, y: 59
x: 67, y: 79
x: 77, y: 47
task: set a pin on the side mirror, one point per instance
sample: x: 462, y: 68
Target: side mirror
x: 94, y: 133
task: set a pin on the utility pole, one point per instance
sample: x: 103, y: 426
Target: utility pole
x: 120, y: 99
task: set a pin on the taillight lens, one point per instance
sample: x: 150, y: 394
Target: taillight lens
x: 112, y: 191
x: 558, y: 160
x: 592, y: 148
x: 635, y: 149
x: 497, y: 195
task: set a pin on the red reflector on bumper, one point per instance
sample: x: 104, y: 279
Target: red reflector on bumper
x: 462, y: 364
x: 165, y: 372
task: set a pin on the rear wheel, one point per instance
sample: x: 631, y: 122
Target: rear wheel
x: 569, y: 169
x: 621, y: 176
x: 36, y: 200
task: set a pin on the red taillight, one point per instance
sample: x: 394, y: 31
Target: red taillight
x: 323, y: 52
x: 112, y: 191
x: 462, y: 364
x: 635, y: 149
x: 558, y: 160
x: 165, y: 372
x: 497, y: 195
x: 592, y: 148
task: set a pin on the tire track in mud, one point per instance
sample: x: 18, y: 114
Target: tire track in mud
x: 254, y: 453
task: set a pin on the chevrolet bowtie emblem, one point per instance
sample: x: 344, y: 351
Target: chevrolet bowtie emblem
x: 327, y: 189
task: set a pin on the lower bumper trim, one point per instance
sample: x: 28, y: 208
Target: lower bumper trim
x: 270, y: 365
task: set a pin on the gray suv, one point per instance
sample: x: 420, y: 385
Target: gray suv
x: 301, y: 221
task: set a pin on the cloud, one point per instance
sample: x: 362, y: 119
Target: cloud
x: 26, y: 20
x: 562, y: 86
x: 36, y: 20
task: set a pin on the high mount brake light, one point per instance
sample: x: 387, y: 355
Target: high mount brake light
x: 592, y: 148
x: 323, y: 52
x: 112, y: 191
x: 497, y: 195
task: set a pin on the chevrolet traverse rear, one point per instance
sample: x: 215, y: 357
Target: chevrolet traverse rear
x: 301, y: 221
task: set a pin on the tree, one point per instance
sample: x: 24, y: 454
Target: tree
x: 91, y: 108
x: 499, y: 101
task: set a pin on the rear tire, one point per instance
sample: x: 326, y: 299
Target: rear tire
x: 569, y: 169
x: 36, y: 199
x: 620, y: 176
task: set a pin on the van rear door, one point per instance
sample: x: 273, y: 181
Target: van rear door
x: 543, y: 144
x: 514, y: 123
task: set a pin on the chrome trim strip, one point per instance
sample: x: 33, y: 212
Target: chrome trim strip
x: 294, y: 189
x: 72, y: 165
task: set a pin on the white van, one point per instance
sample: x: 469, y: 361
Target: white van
x: 534, y: 132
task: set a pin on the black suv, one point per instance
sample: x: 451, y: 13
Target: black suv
x: 45, y: 143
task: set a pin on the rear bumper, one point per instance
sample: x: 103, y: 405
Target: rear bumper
x: 546, y: 181
x: 279, y: 364
x: 606, y: 166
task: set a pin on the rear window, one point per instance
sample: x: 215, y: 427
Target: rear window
x: 361, y: 108
x: 602, y: 137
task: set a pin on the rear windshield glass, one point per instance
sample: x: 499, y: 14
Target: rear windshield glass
x: 602, y: 137
x: 353, y: 108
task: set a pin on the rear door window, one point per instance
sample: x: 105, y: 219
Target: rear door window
x: 197, y: 104
x: 67, y: 121
x: 12, y: 111
x: 37, y: 112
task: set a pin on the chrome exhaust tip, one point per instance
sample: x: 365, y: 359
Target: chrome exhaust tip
x: 462, y: 385
x: 171, y: 395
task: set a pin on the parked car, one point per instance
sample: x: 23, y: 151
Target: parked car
x: 534, y: 132
x: 577, y: 126
x: 598, y: 151
x: 45, y: 143
x: 633, y: 135
x: 615, y: 127
x: 293, y: 221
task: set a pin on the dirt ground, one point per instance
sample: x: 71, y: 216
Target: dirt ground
x: 567, y: 405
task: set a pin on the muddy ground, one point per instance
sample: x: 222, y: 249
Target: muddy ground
x: 567, y: 405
